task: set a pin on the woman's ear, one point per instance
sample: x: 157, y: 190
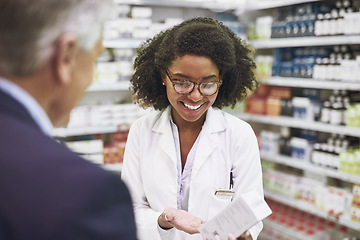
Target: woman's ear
x: 163, y: 79
x: 65, y: 57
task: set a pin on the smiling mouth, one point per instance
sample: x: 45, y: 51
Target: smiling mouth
x: 192, y: 107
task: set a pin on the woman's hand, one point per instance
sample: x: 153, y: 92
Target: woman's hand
x: 180, y: 219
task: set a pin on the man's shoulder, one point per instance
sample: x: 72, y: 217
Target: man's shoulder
x: 27, y: 145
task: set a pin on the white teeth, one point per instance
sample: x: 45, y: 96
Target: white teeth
x: 192, y: 107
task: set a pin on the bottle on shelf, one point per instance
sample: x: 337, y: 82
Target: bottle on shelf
x: 319, y: 25
x: 284, y: 142
x: 333, y: 22
x: 325, y: 112
x: 336, y: 113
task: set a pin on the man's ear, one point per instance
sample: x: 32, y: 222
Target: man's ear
x: 65, y: 54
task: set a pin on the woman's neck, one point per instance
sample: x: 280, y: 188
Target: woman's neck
x: 186, y: 125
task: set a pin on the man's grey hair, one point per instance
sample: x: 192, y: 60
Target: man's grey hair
x: 29, y: 30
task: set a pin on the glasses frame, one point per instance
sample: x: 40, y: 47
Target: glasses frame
x: 172, y: 80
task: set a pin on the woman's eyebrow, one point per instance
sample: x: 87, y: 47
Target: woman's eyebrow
x: 185, y: 76
x: 209, y: 77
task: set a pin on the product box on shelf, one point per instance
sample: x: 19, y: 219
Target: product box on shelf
x: 266, y: 100
x: 300, y: 20
x: 114, y: 147
x: 353, y: 115
x: 338, y: 202
x: 355, y: 206
x: 91, y: 150
x: 263, y: 27
x: 350, y: 161
x: 263, y: 66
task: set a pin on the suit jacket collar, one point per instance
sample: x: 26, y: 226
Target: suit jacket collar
x: 10, y: 106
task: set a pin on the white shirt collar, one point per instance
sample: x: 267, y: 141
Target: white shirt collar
x: 30, y: 104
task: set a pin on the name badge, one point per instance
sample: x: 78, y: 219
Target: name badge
x: 224, y: 193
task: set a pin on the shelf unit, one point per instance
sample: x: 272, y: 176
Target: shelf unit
x: 311, y: 83
x: 265, y: 47
x: 301, y: 124
x: 116, y: 167
x: 118, y: 86
x: 212, y: 5
x: 122, y: 43
x: 305, y: 42
x: 71, y: 132
x: 299, y: 164
x: 306, y: 207
x: 267, y: 4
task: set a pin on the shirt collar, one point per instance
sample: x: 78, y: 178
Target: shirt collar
x: 30, y: 104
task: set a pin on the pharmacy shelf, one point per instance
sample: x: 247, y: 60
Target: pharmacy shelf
x: 122, y: 43
x: 284, y: 231
x: 267, y: 4
x: 311, y: 83
x: 307, y: 207
x: 116, y: 167
x: 300, y: 123
x: 305, y: 42
x: 101, y: 87
x: 70, y: 132
x: 304, y: 165
x: 212, y: 5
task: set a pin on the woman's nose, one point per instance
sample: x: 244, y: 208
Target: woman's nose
x: 195, y: 95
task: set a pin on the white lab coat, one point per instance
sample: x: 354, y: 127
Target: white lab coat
x: 150, y: 169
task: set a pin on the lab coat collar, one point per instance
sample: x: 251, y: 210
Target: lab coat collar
x: 163, y: 126
x: 209, y: 141
x: 215, y: 121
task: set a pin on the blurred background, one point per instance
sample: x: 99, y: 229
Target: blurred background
x: 306, y: 112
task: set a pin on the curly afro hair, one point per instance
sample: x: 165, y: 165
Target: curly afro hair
x: 201, y: 37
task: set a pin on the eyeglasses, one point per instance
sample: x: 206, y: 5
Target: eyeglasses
x: 184, y: 86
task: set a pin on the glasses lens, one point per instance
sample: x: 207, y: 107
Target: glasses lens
x: 208, y: 88
x: 183, y: 86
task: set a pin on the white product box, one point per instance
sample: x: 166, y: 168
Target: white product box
x: 237, y: 217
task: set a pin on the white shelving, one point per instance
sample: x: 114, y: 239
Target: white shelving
x: 122, y: 43
x: 116, y: 167
x: 305, y: 42
x: 301, y: 205
x: 311, y: 83
x: 301, y: 124
x: 212, y: 5
x: 70, y: 132
x: 267, y: 4
x: 299, y: 164
x: 118, y: 86
x: 253, y: 9
x: 248, y: 5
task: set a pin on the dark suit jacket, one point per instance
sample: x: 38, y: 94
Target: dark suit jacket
x: 48, y: 192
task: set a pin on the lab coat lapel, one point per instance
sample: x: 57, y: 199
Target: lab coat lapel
x: 166, y: 140
x: 209, y: 140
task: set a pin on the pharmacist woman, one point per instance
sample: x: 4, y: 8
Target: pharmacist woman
x: 181, y: 157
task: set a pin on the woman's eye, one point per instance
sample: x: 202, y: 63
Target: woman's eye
x: 183, y: 83
x: 208, y: 85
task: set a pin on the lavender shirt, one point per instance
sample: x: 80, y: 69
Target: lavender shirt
x: 184, y: 177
